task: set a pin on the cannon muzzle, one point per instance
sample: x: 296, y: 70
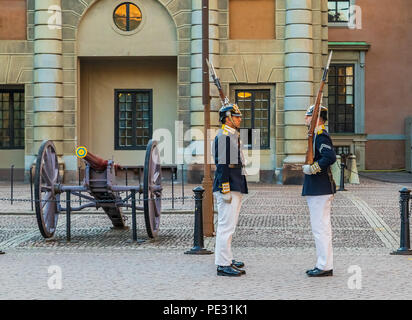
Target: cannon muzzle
x: 96, y: 162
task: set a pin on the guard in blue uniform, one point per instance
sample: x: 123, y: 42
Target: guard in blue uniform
x: 228, y: 187
x: 318, y: 189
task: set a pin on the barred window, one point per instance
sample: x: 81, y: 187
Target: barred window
x: 255, y: 107
x: 12, y: 119
x: 342, y: 150
x: 127, y: 16
x: 338, y: 10
x: 133, y: 119
x: 341, y: 99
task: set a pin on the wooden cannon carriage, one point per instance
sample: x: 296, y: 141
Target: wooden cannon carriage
x: 100, y: 183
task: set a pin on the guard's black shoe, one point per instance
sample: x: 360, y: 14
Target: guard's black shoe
x: 238, y: 264
x: 2, y: 252
x: 228, y: 271
x: 307, y: 271
x: 319, y: 273
x: 241, y: 270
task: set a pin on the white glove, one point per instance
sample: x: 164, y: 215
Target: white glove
x: 311, y: 169
x: 227, y: 197
x: 306, y: 169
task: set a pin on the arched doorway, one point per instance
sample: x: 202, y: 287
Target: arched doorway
x: 127, y: 81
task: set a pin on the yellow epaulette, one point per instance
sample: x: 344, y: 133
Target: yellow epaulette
x: 319, y: 130
x: 226, y: 129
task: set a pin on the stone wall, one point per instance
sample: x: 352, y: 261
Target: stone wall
x: 47, y: 63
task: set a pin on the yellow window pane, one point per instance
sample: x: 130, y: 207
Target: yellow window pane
x: 135, y: 13
x: 127, y: 16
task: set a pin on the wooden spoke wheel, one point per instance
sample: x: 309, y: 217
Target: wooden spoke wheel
x: 152, y: 189
x: 46, y: 177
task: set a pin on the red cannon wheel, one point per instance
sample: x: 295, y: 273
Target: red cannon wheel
x: 152, y: 189
x: 46, y: 177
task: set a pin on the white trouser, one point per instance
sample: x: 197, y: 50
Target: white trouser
x: 319, y: 207
x: 227, y: 217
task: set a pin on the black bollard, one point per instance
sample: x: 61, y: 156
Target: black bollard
x: 404, y: 249
x: 198, y: 232
x: 342, y: 176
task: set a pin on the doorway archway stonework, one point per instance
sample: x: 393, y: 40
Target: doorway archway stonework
x: 57, y: 52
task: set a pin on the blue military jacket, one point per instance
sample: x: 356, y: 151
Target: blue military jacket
x: 322, y: 182
x: 229, y: 161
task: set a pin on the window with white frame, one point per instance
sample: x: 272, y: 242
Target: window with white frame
x: 339, y: 10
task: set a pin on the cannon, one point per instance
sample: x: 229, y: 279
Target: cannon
x: 103, y: 192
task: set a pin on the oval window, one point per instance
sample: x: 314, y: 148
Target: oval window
x: 127, y: 16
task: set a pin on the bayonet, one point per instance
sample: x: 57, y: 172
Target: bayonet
x: 223, y: 99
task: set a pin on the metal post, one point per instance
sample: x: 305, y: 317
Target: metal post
x: 68, y: 212
x: 134, y: 230
x: 207, y: 181
x: 11, y: 182
x: 80, y: 198
x: 198, y: 232
x: 31, y: 187
x: 127, y: 193
x: 342, y: 176
x: 404, y: 249
x: 183, y: 187
x: 173, y: 190
x: 138, y: 170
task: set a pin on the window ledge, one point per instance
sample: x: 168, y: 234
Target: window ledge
x: 354, y: 137
x: 338, y: 25
x: 342, y: 45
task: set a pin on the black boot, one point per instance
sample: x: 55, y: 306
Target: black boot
x: 228, y: 271
x: 2, y: 252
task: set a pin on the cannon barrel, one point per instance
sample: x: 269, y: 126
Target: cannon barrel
x: 98, y: 163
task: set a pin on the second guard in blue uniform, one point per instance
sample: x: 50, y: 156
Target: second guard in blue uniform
x: 318, y: 189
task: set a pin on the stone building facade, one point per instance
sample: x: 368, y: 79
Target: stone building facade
x: 74, y: 64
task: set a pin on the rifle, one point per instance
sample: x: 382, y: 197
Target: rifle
x: 223, y: 99
x: 315, y: 114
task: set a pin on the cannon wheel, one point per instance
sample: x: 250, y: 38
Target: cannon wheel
x: 152, y: 189
x: 46, y: 177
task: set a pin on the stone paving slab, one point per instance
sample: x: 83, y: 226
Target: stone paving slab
x: 253, y: 231
x: 273, y: 238
x: 170, y: 274
x: 271, y: 216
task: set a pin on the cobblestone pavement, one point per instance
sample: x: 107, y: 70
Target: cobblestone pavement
x: 273, y: 238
